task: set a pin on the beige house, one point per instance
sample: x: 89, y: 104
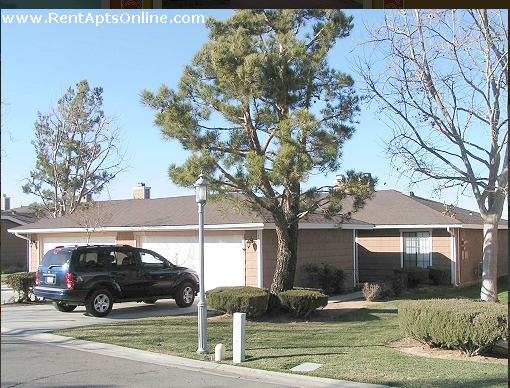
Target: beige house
x: 393, y: 230
x: 413, y: 231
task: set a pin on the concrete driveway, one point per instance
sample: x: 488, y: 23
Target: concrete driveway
x: 26, y: 319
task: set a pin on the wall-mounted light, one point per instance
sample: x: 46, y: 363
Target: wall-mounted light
x: 249, y: 243
x: 33, y: 243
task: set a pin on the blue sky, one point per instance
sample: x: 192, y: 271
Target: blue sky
x: 41, y: 60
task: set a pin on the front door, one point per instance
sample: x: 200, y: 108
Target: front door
x: 160, y: 273
x: 125, y: 268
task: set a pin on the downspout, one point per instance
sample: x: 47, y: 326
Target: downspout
x: 23, y: 237
x: 260, y: 261
x: 455, y: 266
x: 355, y: 270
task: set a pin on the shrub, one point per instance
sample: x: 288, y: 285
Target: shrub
x: 376, y: 291
x: 241, y: 299
x: 302, y: 302
x: 23, y: 283
x: 415, y: 275
x: 13, y: 268
x: 398, y: 282
x: 326, y: 277
x: 439, y: 276
x: 462, y: 324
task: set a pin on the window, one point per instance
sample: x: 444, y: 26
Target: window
x: 416, y: 249
x: 151, y: 260
x: 88, y: 261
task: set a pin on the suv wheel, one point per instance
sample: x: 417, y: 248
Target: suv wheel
x: 100, y: 303
x: 64, y: 307
x: 185, y: 295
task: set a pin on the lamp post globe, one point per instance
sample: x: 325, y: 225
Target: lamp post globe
x: 201, y: 199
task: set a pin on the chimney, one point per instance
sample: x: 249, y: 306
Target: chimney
x: 6, y: 202
x: 339, y: 180
x: 87, y: 198
x: 141, y: 191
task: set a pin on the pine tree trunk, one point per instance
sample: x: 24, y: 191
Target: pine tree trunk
x: 489, y: 289
x: 286, y: 260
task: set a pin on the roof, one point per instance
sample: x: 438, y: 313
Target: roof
x: 388, y: 208
x: 20, y: 215
x: 391, y: 208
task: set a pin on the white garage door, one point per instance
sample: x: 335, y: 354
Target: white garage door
x: 52, y: 242
x: 223, y: 256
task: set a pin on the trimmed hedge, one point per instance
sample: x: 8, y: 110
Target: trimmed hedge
x: 439, y: 276
x: 302, y: 302
x: 242, y: 299
x: 325, y: 276
x: 23, y: 283
x: 462, y: 324
x: 415, y: 275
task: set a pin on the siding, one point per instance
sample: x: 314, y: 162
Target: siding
x: 378, y: 254
x: 472, y: 256
x: 251, y: 262
x: 334, y: 247
x: 441, y: 249
x: 14, y: 250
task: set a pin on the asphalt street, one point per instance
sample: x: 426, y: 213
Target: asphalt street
x: 32, y: 357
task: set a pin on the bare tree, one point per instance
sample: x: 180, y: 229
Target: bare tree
x: 78, y: 152
x: 92, y: 216
x: 443, y: 84
x: 3, y: 125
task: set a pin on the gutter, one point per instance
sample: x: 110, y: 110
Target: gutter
x: 20, y: 236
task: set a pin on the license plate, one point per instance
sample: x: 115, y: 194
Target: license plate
x: 49, y: 279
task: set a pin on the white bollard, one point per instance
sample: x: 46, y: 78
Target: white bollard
x: 219, y: 352
x: 239, y: 337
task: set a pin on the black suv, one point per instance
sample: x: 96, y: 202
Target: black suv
x: 99, y: 275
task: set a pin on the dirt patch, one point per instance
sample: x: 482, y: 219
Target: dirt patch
x: 416, y: 348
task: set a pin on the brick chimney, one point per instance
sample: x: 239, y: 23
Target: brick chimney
x: 6, y: 202
x: 141, y: 191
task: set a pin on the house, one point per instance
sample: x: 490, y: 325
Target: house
x: 413, y: 231
x: 14, y: 250
x: 240, y: 248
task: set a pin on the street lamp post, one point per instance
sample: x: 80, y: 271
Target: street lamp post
x: 201, y: 199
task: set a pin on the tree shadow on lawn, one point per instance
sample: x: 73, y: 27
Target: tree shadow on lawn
x: 277, y: 356
x: 328, y: 316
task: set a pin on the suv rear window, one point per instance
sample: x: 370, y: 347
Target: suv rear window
x: 56, y: 257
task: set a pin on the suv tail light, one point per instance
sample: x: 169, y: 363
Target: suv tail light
x: 69, y: 281
x: 36, y: 278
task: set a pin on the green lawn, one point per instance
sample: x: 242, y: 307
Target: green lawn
x: 352, y: 347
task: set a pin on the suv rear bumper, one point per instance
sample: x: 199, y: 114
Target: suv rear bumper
x: 72, y: 297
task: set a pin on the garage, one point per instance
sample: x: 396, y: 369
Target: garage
x: 50, y: 242
x: 223, y: 256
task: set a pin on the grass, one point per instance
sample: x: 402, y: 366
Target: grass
x: 351, y: 347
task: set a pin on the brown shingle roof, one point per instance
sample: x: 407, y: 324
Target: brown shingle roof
x: 21, y: 215
x: 391, y: 207
x: 388, y: 207
x: 174, y: 211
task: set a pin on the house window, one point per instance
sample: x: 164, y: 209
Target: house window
x: 416, y: 249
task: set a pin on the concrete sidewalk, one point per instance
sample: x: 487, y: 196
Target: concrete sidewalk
x: 345, y: 297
